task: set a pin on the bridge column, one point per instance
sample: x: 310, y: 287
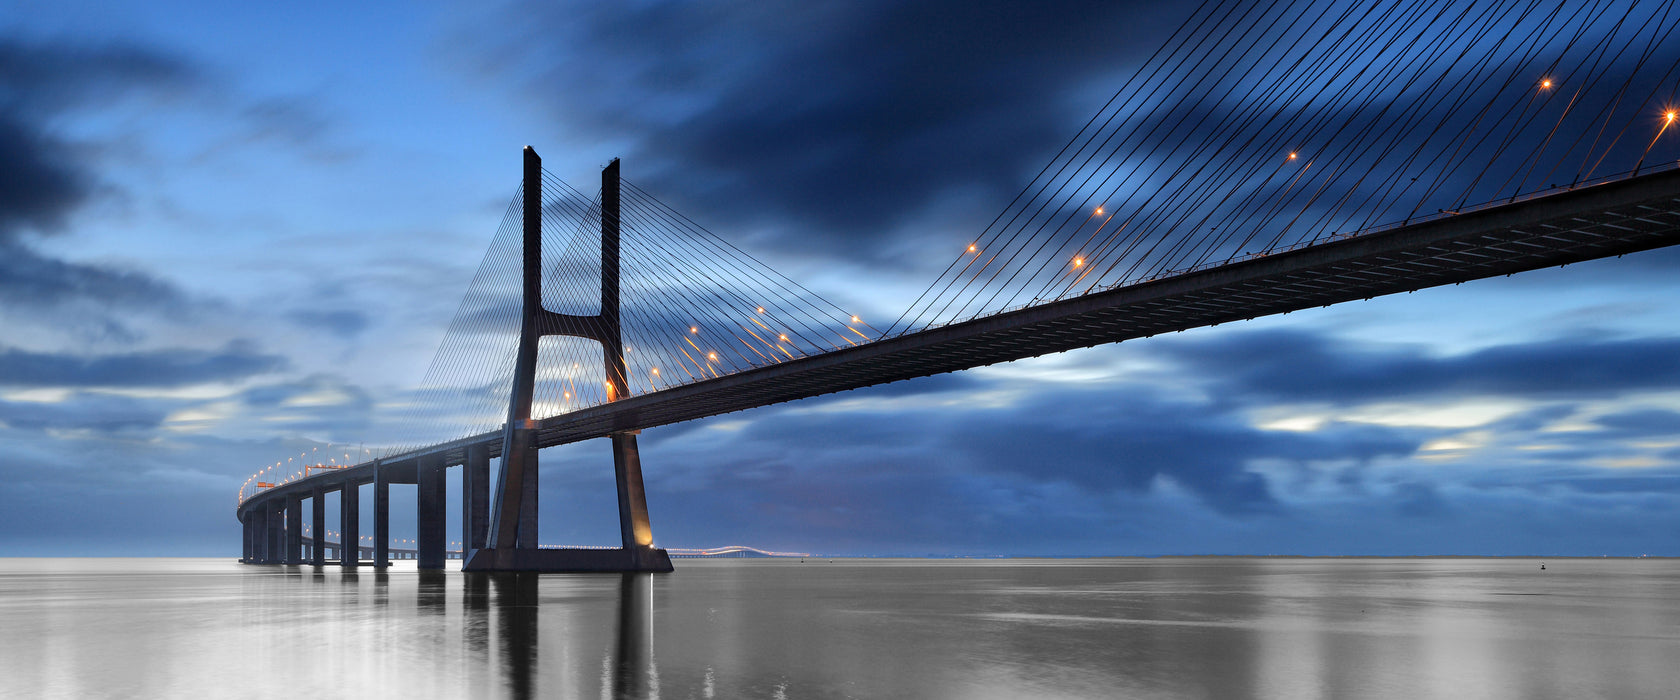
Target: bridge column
x: 349, y: 526
x: 245, y: 526
x: 528, y: 509
x: 430, y: 529
x: 632, y: 501
x: 318, y: 524
x: 276, y: 532
x: 294, y: 530
x: 475, y: 497
x: 381, y: 516
x: 259, y: 535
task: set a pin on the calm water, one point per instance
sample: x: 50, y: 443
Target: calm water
x: 1122, y: 628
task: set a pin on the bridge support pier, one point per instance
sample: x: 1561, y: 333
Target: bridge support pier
x: 247, y: 527
x: 349, y: 526
x: 318, y: 524
x: 294, y: 530
x: 475, y: 498
x: 430, y: 492
x: 259, y: 522
x: 633, y: 525
x: 381, y: 516
x: 276, y: 533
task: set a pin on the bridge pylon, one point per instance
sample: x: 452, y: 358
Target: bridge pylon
x: 511, y: 544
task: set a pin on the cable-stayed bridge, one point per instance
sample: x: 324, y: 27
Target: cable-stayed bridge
x: 1264, y: 160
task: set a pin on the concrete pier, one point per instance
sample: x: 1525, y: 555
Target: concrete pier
x: 318, y: 526
x: 475, y: 497
x: 294, y: 530
x: 276, y: 533
x: 349, y: 525
x: 381, y: 515
x: 430, y: 493
x: 633, y: 523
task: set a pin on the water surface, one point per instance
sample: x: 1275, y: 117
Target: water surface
x: 1093, y: 628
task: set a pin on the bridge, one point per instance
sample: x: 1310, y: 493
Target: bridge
x: 1158, y: 217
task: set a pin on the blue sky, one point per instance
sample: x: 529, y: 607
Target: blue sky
x: 229, y: 234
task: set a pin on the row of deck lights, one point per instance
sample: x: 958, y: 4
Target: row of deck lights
x: 655, y: 378
x: 256, y: 477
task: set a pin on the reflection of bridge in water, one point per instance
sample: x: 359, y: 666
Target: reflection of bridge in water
x: 334, y: 551
x: 512, y: 598
x: 501, y: 624
x: 1162, y: 215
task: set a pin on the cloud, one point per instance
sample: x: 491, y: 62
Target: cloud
x: 43, y: 181
x: 38, y: 185
x: 1641, y: 423
x: 28, y: 278
x: 890, y: 106
x: 83, y: 412
x: 344, y: 323
x: 1289, y: 365
x: 319, y: 404
x: 1122, y: 439
x: 53, y: 76
x: 40, y: 182
x: 153, y: 368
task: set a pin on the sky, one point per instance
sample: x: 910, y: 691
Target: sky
x: 233, y: 233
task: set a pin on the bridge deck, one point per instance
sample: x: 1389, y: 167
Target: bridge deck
x: 1587, y: 223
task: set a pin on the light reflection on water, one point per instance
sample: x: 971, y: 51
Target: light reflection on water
x: 1163, y: 628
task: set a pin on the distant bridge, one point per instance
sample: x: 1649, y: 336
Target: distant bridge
x: 1055, y: 273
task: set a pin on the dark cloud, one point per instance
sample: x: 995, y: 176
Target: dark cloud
x: 315, y: 405
x: 123, y: 491
x: 29, y: 279
x: 344, y: 323
x: 848, y: 128
x: 1665, y: 481
x: 1108, y: 442
x: 39, y: 184
x: 43, y: 180
x: 1302, y: 366
x: 104, y: 414
x: 154, y: 368
x: 40, y: 76
x: 1417, y: 499
x: 847, y: 118
x: 1644, y: 423
x: 1086, y: 471
x: 1125, y: 440
x: 40, y: 179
